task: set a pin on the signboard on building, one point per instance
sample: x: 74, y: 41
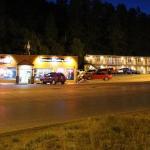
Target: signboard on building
x: 5, y: 60
x: 54, y: 60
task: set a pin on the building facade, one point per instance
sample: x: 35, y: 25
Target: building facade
x: 139, y: 63
x: 26, y: 69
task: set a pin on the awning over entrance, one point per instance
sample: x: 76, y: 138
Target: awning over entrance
x: 25, y: 62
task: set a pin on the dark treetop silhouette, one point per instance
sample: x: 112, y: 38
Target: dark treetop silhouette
x: 74, y: 28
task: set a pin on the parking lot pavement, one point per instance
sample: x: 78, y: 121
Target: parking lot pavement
x: 26, y: 106
x: 115, y: 79
x: 121, y: 79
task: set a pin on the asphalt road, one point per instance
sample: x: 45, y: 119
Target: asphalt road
x: 25, y: 106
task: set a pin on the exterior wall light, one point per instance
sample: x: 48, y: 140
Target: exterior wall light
x: 6, y: 60
x: 122, y: 58
x: 102, y: 66
x: 101, y: 57
x: 142, y: 59
x: 132, y: 67
x: 68, y: 60
x: 39, y: 60
x: 54, y: 59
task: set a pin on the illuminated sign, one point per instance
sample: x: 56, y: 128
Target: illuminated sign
x: 54, y: 60
x: 5, y: 60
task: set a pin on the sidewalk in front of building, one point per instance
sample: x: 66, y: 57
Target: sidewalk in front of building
x: 115, y: 79
x: 120, y: 79
x: 7, y: 81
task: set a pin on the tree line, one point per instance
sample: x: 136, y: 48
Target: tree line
x: 74, y: 27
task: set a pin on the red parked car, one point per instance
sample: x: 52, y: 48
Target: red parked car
x: 101, y: 75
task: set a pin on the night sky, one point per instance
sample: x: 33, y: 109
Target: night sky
x: 143, y: 4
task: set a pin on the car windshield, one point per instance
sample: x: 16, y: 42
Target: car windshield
x: 52, y: 74
x: 61, y: 74
x: 49, y: 74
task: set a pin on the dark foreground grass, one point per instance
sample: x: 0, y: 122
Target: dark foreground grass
x: 115, y: 132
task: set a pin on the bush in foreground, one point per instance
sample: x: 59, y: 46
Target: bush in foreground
x: 115, y: 132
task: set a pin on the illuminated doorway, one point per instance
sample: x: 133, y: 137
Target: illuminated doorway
x: 25, y: 74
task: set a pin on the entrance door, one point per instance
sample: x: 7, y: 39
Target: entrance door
x: 25, y: 74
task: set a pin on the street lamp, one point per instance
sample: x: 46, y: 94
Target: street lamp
x: 28, y: 47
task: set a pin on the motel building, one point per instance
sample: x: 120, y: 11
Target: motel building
x: 139, y: 63
x: 27, y: 69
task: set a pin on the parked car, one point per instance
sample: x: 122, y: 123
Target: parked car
x: 101, y: 75
x: 135, y: 71
x: 91, y: 71
x: 88, y: 74
x: 127, y: 71
x: 107, y: 70
x: 53, y: 78
x: 120, y: 71
x: 85, y: 75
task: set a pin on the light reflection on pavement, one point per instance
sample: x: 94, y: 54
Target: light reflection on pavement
x: 24, y: 106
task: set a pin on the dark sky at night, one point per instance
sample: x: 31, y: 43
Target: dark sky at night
x: 143, y: 4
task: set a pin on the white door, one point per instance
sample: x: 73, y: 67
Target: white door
x: 25, y: 74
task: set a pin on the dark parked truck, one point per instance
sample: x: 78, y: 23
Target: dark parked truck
x: 53, y: 78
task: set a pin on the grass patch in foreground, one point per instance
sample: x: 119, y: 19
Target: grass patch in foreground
x: 115, y: 132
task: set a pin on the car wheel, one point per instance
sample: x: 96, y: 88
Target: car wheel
x: 53, y: 82
x: 62, y: 82
x: 106, y: 78
x: 89, y: 78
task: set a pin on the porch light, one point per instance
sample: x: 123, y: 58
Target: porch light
x: 54, y: 59
x: 132, y: 67
x: 132, y: 58
x: 142, y: 59
x: 68, y: 60
x: 101, y: 57
x: 39, y: 60
x: 6, y: 60
x: 102, y: 66
x: 122, y: 58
